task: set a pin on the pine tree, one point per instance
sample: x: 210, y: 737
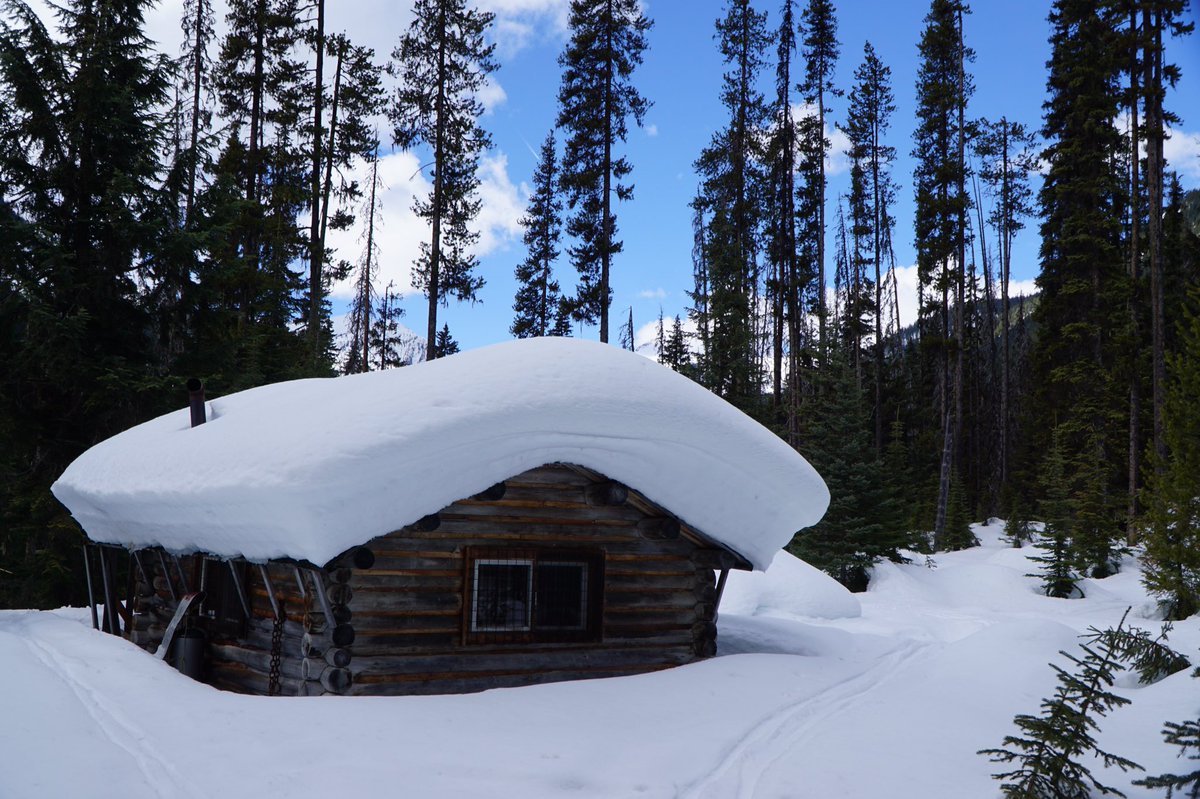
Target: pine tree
x: 858, y: 529
x: 1081, y: 314
x: 445, y: 344
x: 1050, y: 748
x: 675, y: 352
x: 538, y: 297
x: 626, y: 339
x: 1005, y: 152
x: 1171, y: 562
x: 1058, y: 563
x: 868, y: 118
x: 358, y: 357
x: 384, y: 338
x: 820, y: 49
x: 441, y: 64
x: 596, y: 98
x: 80, y: 213
x: 733, y: 184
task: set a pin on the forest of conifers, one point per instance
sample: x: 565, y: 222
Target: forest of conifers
x: 167, y: 217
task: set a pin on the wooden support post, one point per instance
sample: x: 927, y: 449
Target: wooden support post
x: 266, y: 578
x: 720, y: 590
x: 300, y: 582
x: 241, y: 590
x: 111, y: 617
x: 319, y: 590
x: 162, y: 561
x: 87, y: 570
x: 182, y: 577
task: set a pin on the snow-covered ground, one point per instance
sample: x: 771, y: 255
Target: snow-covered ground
x: 815, y: 694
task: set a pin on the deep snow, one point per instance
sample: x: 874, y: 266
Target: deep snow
x: 310, y: 468
x: 815, y: 693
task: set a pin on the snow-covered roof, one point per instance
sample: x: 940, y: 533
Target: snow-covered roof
x: 310, y: 468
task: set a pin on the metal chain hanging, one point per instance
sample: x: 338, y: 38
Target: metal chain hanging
x: 276, y: 652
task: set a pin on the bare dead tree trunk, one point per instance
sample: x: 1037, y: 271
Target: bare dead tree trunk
x: 316, y: 251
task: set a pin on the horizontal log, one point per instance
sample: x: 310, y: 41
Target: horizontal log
x: 312, y: 668
x: 449, y: 562
x: 342, y: 635
x: 426, y: 524
x: 236, y: 678
x: 374, y: 580
x: 254, y: 659
x: 368, y: 645
x: 549, y: 475
x: 469, y: 683
x: 714, y: 558
x: 404, y: 623
x: 386, y: 599
x: 665, y: 528
x: 492, y: 493
x: 544, y: 514
x: 461, y: 664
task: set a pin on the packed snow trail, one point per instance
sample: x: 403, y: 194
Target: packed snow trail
x: 160, y: 774
x: 777, y: 736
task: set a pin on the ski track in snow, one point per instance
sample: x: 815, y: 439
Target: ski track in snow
x: 160, y: 775
x: 778, y: 735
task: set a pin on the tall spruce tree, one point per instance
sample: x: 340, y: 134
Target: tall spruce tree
x: 539, y: 303
x: 860, y: 527
x: 868, y: 118
x: 80, y: 210
x: 731, y: 197
x: 441, y: 64
x: 943, y: 88
x: 596, y: 99
x: 1171, y: 562
x: 1081, y: 313
x: 820, y: 48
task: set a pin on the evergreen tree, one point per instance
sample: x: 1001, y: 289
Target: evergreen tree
x: 675, y: 352
x: 1171, y: 562
x: 80, y: 211
x: 731, y: 194
x: 1050, y: 748
x: 1081, y: 312
x: 868, y: 118
x: 859, y: 528
x: 596, y: 98
x: 445, y: 344
x: 1058, y: 564
x: 627, y: 342
x: 1186, y: 736
x: 358, y: 357
x: 1005, y: 152
x: 441, y: 64
x: 943, y: 88
x: 538, y: 298
x: 820, y: 49
x: 384, y: 339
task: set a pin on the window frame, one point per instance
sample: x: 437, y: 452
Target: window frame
x: 591, y: 562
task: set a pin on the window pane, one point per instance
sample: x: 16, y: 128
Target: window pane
x: 562, y: 595
x: 501, y: 600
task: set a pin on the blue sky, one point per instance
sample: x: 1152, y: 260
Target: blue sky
x: 681, y: 76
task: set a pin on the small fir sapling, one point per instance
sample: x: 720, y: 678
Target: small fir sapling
x: 1017, y: 528
x: 1057, y: 574
x: 1187, y: 737
x: 1049, y: 749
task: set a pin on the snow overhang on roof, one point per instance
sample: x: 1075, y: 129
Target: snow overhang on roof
x: 308, y: 469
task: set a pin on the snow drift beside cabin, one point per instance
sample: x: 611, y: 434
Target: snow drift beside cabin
x: 310, y: 468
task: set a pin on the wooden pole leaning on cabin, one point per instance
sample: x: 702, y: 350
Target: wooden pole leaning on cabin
x: 162, y: 561
x: 241, y: 591
x: 87, y: 570
x: 111, y: 619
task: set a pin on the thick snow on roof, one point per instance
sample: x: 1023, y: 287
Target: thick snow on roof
x: 310, y: 468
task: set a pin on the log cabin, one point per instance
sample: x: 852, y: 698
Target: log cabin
x: 534, y: 511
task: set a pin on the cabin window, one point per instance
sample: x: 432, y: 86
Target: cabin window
x: 532, y: 595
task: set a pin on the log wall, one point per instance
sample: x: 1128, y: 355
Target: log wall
x: 389, y: 619
x: 408, y: 615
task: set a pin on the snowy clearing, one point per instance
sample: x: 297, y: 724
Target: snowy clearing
x: 887, y: 694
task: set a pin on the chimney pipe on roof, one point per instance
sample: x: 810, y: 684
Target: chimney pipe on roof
x: 196, y: 400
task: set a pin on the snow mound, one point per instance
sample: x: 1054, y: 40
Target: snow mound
x: 309, y: 468
x: 788, y: 587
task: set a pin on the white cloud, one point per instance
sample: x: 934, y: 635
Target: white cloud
x: 651, y: 130
x: 906, y: 285
x: 1183, y: 153
x: 652, y: 294
x: 400, y: 231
